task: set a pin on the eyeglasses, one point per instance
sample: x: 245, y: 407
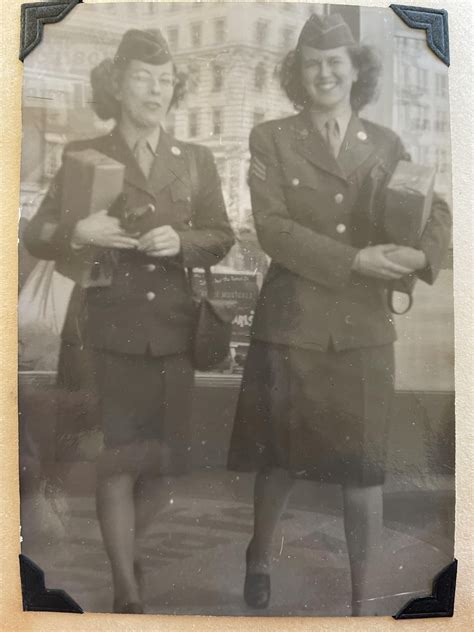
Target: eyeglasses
x: 146, y: 79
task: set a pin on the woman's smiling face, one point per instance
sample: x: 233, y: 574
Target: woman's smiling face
x: 145, y: 92
x: 327, y: 76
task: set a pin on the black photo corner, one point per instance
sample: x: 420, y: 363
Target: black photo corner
x: 440, y: 603
x: 37, y: 597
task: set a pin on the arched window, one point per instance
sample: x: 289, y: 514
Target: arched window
x: 217, y: 77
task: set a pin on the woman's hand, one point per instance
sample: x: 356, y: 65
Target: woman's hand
x: 375, y: 261
x: 99, y: 229
x: 163, y: 241
x: 408, y: 257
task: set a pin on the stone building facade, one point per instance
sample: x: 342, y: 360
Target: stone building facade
x: 230, y: 52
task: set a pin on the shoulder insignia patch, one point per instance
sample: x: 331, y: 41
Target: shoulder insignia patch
x: 258, y: 168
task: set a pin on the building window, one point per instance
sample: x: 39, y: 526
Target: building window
x: 420, y: 118
x: 217, y: 122
x: 261, y: 32
x: 171, y: 124
x: 287, y: 35
x: 441, y: 121
x: 260, y: 77
x: 194, y: 78
x: 441, y: 85
x: 422, y: 79
x: 219, y: 31
x: 193, y: 124
x: 196, y: 34
x: 441, y: 156
x: 258, y: 117
x: 173, y: 38
x: 217, y: 77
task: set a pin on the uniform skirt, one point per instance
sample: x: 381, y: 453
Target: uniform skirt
x: 320, y: 415
x: 140, y: 404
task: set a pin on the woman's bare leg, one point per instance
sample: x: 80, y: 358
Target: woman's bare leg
x: 152, y: 494
x: 363, y: 522
x: 272, y: 490
x: 116, y: 513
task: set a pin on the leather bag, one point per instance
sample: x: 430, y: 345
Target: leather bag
x: 213, y: 325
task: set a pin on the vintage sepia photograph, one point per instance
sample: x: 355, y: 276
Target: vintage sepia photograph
x: 236, y: 318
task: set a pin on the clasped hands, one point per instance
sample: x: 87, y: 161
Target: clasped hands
x: 389, y: 261
x: 100, y: 229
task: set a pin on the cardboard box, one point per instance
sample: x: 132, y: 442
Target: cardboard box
x: 407, y: 209
x: 408, y: 203
x: 92, y: 182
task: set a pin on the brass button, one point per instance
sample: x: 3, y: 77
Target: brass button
x: 150, y: 296
x: 150, y: 267
x: 339, y: 198
x: 361, y: 135
x: 295, y: 182
x: 151, y: 208
x: 348, y: 319
x: 341, y: 228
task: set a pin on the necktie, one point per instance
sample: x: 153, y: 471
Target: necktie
x: 333, y: 136
x: 144, y: 156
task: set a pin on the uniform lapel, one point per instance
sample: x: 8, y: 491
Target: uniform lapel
x: 308, y: 142
x: 169, y: 164
x: 356, y: 147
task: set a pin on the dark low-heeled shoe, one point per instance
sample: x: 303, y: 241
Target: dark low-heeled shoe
x: 128, y: 607
x: 139, y: 577
x: 257, y: 588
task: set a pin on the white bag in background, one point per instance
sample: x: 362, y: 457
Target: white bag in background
x: 42, y: 307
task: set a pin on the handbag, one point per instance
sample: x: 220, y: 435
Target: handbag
x: 213, y: 325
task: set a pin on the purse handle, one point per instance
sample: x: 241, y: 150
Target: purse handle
x: 392, y: 306
x: 210, y: 287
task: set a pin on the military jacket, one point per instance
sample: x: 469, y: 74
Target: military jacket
x: 148, y: 307
x: 312, y: 214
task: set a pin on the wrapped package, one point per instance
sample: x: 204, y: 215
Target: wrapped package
x: 408, y: 200
x: 408, y: 203
x: 92, y: 182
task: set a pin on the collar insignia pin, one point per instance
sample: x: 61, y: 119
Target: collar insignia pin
x: 361, y: 135
x: 176, y: 151
x: 303, y: 134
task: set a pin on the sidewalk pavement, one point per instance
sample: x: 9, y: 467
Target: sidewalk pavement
x: 194, y: 555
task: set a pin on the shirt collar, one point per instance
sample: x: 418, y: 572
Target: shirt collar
x: 319, y: 120
x: 131, y: 136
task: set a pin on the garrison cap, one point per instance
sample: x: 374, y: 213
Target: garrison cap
x: 325, y: 32
x: 148, y: 46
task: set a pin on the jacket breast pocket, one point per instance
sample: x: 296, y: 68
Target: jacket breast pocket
x: 179, y: 211
x: 296, y: 181
x: 306, y: 198
x: 180, y: 191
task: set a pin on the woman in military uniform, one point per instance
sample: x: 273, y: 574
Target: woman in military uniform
x: 318, y: 382
x: 129, y: 343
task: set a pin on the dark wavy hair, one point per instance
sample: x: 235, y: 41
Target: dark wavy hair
x: 365, y: 90
x: 104, y: 78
